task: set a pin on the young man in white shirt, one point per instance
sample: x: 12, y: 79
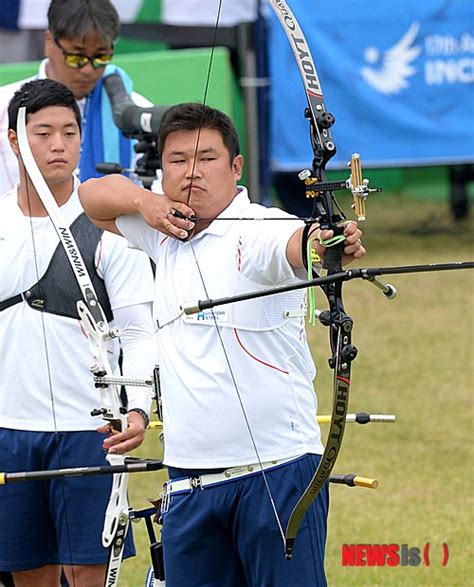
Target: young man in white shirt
x: 46, y: 389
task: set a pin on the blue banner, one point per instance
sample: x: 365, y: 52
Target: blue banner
x: 398, y: 77
x: 9, y: 11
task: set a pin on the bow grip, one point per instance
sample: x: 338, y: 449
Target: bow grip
x: 333, y: 258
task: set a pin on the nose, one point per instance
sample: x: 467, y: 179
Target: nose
x: 87, y: 68
x: 57, y: 143
x: 192, y: 170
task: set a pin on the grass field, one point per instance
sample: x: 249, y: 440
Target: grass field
x: 416, y: 361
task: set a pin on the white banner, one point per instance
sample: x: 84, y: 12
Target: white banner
x: 33, y: 13
x: 204, y: 12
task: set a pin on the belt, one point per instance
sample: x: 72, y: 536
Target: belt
x: 202, y: 481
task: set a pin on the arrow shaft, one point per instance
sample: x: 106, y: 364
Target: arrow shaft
x: 366, y: 273
x: 127, y: 467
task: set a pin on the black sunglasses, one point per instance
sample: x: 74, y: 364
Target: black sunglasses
x: 78, y: 60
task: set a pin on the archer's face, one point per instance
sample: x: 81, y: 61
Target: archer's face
x: 81, y: 81
x: 205, y: 180
x: 55, y: 141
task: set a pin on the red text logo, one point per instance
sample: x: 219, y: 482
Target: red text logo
x: 390, y: 555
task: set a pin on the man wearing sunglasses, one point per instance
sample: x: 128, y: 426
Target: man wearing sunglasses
x: 79, y: 47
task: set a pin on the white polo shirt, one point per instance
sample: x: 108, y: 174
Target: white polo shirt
x: 45, y: 358
x: 244, y: 354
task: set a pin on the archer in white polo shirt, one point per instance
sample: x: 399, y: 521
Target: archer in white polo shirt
x: 237, y: 381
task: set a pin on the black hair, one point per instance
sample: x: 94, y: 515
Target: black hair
x: 194, y: 116
x: 71, y: 19
x: 38, y: 94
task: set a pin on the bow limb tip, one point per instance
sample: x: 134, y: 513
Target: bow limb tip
x: 289, y: 548
x: 289, y: 542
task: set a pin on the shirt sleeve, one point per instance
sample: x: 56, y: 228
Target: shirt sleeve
x: 139, y: 234
x: 8, y: 161
x: 139, y: 351
x: 126, y: 272
x: 264, y: 257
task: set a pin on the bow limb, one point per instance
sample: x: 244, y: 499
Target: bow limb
x: 322, y: 142
x: 117, y: 519
x: 340, y: 324
x: 343, y: 354
x: 96, y: 327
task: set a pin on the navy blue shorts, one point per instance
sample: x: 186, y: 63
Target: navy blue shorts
x: 227, y: 535
x: 36, y: 527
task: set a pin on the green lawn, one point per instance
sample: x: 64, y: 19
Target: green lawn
x: 416, y: 361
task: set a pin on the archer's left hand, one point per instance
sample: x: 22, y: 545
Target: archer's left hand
x: 353, y: 247
x: 129, y: 439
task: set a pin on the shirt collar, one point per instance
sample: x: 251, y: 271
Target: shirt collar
x: 235, y: 209
x: 42, y: 75
x: 42, y: 69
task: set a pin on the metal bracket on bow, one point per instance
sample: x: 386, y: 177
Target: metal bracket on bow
x: 356, y: 183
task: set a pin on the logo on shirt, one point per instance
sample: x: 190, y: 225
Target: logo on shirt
x: 207, y: 316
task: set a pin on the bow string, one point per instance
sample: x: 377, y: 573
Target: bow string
x: 343, y: 352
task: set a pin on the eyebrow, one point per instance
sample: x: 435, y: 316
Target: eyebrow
x: 200, y: 152
x: 46, y: 125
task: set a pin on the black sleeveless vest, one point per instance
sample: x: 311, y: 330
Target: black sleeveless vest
x: 57, y: 292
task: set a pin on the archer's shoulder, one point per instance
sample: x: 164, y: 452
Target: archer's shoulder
x: 267, y: 212
x: 8, y: 201
x: 117, y: 248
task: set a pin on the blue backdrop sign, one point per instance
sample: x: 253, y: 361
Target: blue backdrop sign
x: 398, y: 76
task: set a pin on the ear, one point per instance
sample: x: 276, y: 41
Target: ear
x: 237, y: 166
x: 13, y: 140
x: 48, y: 42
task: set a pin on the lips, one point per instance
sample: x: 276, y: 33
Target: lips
x: 193, y: 187
x: 57, y: 160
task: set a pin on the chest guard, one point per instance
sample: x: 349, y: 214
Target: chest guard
x: 57, y: 292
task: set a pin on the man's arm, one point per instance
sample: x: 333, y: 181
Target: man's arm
x: 353, y: 248
x: 106, y: 198
x: 139, y: 358
x: 128, y: 279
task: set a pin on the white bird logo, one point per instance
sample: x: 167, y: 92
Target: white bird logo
x: 394, y: 65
